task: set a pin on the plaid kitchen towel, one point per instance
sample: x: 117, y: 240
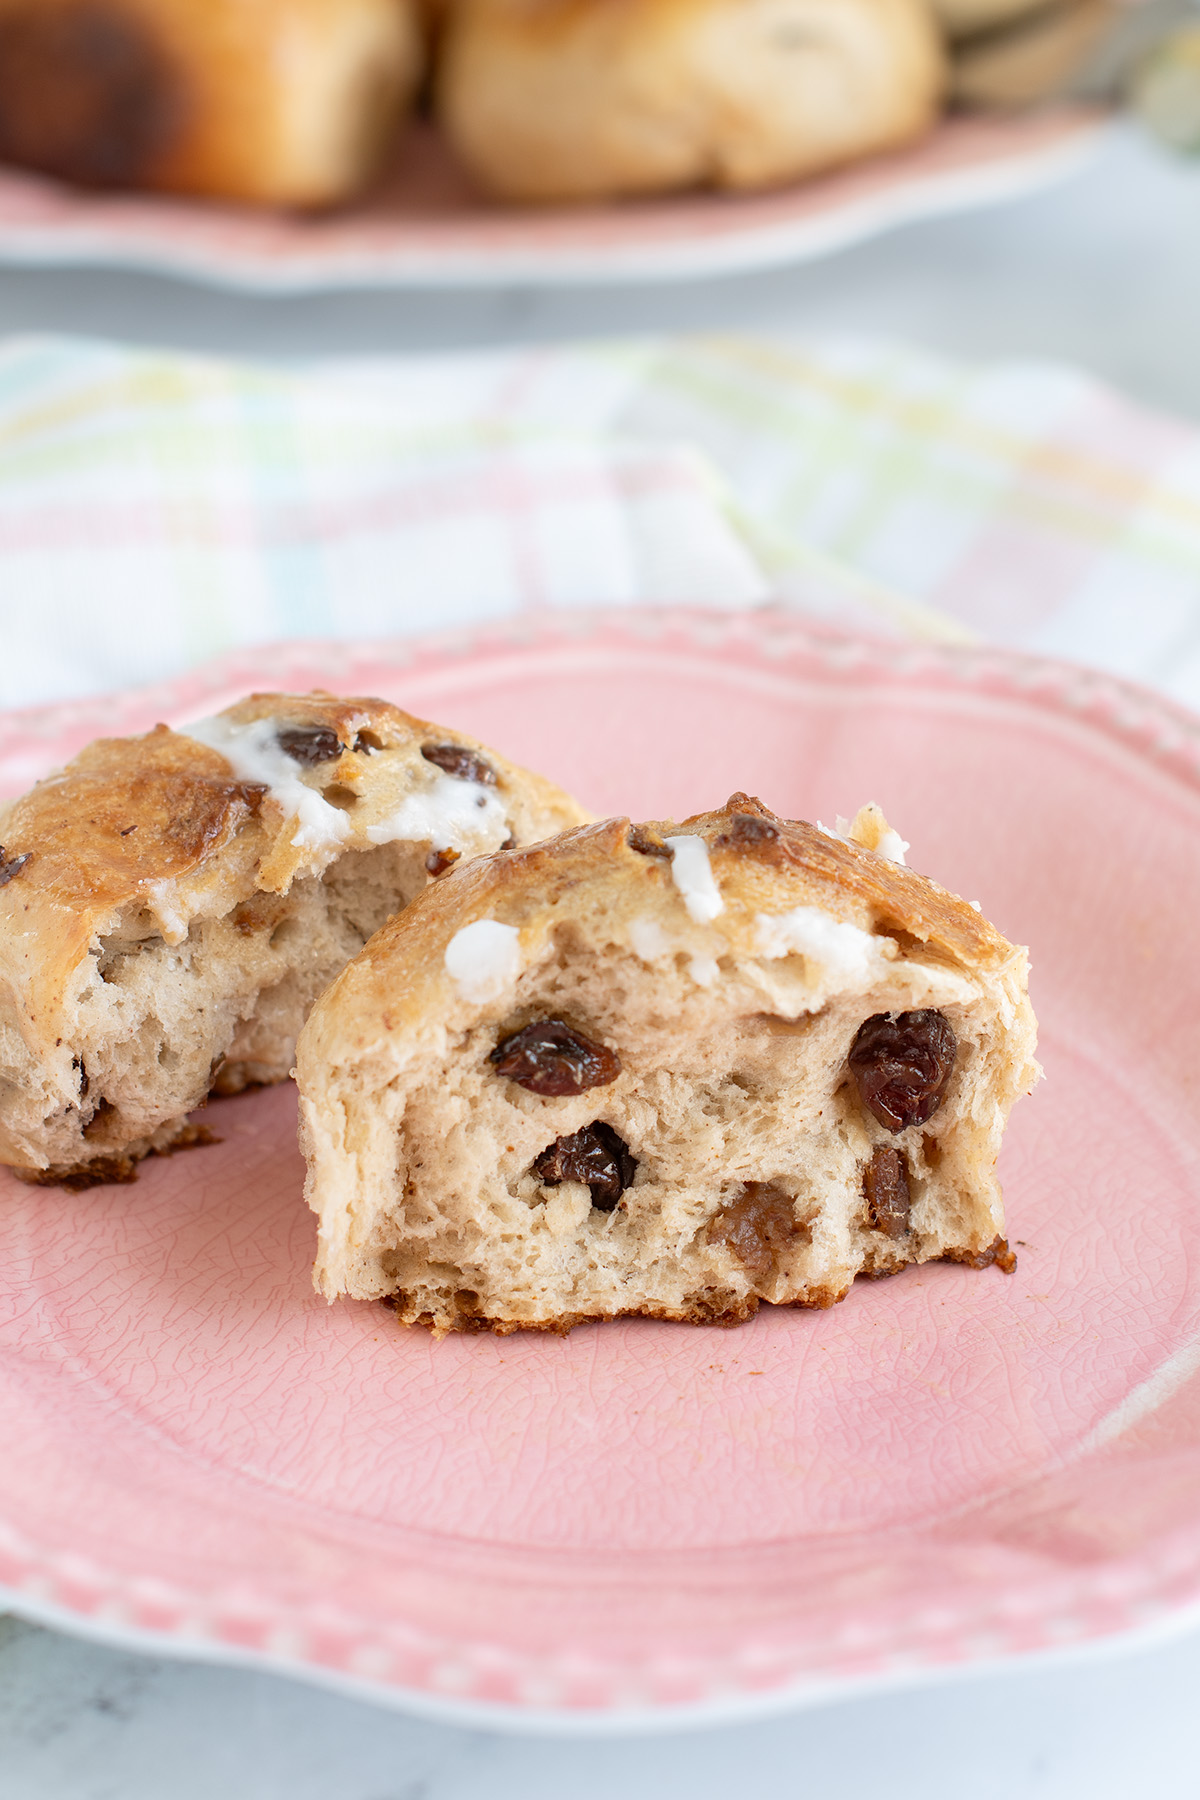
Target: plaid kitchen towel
x: 156, y: 509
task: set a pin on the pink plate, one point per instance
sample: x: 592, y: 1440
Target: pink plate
x: 644, y: 1518
x: 426, y: 225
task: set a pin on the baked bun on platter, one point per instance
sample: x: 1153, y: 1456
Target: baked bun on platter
x: 966, y: 18
x: 283, y: 102
x: 171, y: 905
x: 549, y: 100
x: 1035, y: 58
x: 674, y: 1070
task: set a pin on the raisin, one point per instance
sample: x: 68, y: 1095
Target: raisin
x: 598, y: 1156
x: 885, y: 1185
x: 902, y: 1065
x: 645, y: 843
x: 11, y: 866
x: 438, y: 861
x: 463, y: 764
x: 757, y: 1225
x: 310, y: 744
x: 747, y: 832
x: 550, y: 1058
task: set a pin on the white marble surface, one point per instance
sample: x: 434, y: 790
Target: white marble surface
x: 81, y: 1723
x: 1103, y: 271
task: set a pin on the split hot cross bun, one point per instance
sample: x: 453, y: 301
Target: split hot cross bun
x: 664, y: 1069
x: 171, y: 906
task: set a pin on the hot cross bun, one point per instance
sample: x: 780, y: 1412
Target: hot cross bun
x: 668, y: 1069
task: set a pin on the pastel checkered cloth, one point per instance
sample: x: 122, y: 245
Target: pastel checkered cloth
x: 155, y: 510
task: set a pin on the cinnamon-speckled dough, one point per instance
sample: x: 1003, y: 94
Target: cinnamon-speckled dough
x: 729, y: 976
x: 166, y: 921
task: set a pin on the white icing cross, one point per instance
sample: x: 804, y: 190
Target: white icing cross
x: 483, y: 959
x: 692, y: 874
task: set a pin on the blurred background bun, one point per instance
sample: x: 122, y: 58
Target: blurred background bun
x: 1035, y: 57
x: 580, y: 99
x: 963, y: 18
x: 285, y: 102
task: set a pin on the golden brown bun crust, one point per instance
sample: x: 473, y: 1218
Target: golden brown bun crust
x: 727, y: 1312
x: 287, y: 102
x: 152, y: 808
x: 582, y: 99
x: 790, y: 862
x: 128, y: 810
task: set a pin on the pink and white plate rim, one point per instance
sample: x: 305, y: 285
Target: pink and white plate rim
x: 428, y: 231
